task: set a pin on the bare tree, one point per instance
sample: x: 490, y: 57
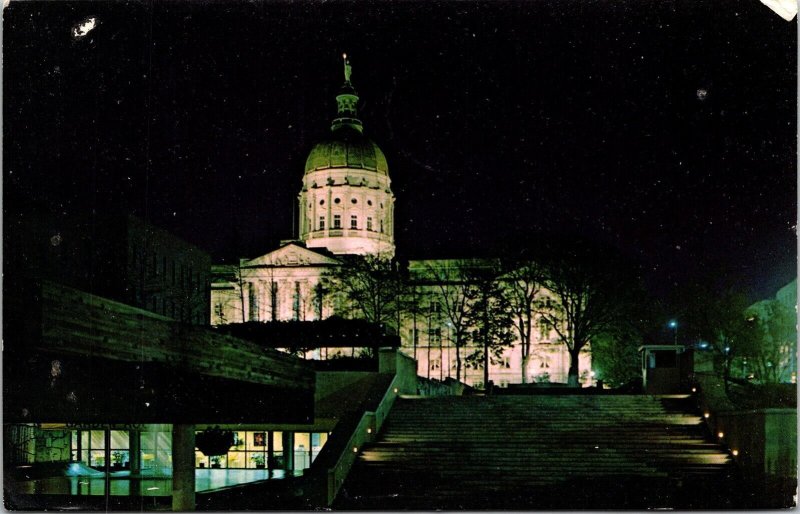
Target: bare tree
x: 451, y: 285
x: 522, y: 286
x: 369, y: 288
x: 584, y: 299
x: 490, y: 314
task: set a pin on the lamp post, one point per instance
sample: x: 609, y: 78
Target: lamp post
x: 674, y: 326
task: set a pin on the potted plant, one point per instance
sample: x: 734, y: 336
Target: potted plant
x: 216, y: 461
x: 117, y: 459
x: 258, y: 459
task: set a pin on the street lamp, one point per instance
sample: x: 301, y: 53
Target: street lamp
x: 674, y: 326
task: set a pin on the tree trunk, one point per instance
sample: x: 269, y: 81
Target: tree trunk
x: 458, y: 361
x: 572, y: 377
x: 485, y: 362
x: 525, y: 361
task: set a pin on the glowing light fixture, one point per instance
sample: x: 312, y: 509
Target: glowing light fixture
x: 706, y: 415
x: 355, y: 449
x: 721, y: 435
x: 152, y: 488
x: 735, y: 452
x: 396, y: 390
x: 694, y: 389
x: 369, y: 430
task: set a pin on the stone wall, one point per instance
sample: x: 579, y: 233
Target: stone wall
x: 52, y: 445
x: 19, y: 443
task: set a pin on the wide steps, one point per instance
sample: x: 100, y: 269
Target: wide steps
x: 516, y: 451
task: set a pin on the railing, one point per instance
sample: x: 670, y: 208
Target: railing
x: 346, y: 232
x: 333, y: 464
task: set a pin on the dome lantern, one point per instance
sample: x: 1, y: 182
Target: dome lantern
x: 347, y: 103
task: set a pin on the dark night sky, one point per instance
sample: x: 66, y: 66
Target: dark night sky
x: 666, y: 129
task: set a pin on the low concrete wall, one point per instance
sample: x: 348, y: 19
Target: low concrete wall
x: 404, y: 367
x: 431, y: 387
x: 763, y: 441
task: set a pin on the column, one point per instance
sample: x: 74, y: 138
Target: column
x: 183, y: 498
x: 135, y: 457
x: 288, y: 450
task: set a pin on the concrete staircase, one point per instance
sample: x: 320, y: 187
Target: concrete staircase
x: 543, y: 452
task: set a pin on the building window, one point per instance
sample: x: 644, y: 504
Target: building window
x: 319, y: 294
x: 218, y: 310
x: 381, y: 226
x: 544, y: 331
x: 337, y: 221
x: 436, y: 364
x: 505, y: 362
x: 322, y: 222
x: 369, y: 223
x: 273, y: 300
x: 296, y: 302
x: 336, y: 200
x: 353, y: 221
x: 435, y: 336
x: 435, y: 307
x: 253, y: 298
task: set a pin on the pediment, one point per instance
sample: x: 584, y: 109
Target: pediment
x: 291, y: 254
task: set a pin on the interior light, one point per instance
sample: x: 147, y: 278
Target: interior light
x: 735, y: 452
x: 369, y: 430
x: 721, y: 435
x: 355, y: 449
x: 706, y: 415
x: 694, y: 389
x: 396, y: 390
x: 152, y: 488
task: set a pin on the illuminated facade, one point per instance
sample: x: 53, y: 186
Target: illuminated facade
x: 346, y: 206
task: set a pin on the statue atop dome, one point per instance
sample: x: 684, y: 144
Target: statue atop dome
x: 348, y: 70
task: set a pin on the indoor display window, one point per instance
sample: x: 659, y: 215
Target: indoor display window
x: 278, y: 461
x: 156, y: 450
x: 73, y: 446
x: 302, y: 450
x: 318, y: 440
x: 97, y: 448
x: 120, y: 449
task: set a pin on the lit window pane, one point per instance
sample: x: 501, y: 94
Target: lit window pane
x: 302, y: 448
x: 239, y: 440
x: 119, y: 440
x: 98, y: 458
x: 236, y: 459
x: 98, y: 439
x: 200, y: 460
x: 256, y: 460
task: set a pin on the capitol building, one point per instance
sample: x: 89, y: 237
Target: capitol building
x: 346, y: 207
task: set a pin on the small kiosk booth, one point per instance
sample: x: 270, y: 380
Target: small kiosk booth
x: 666, y: 368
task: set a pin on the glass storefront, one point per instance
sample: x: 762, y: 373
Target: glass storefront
x: 155, y: 443
x: 265, y: 450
